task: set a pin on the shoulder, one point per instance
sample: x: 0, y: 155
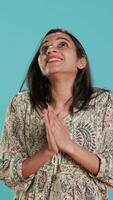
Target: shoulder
x: 102, y: 96
x: 21, y: 97
x: 20, y: 100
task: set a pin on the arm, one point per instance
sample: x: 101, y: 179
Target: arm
x: 100, y: 165
x: 83, y: 157
x: 33, y: 163
x: 105, y: 152
x: 16, y: 168
x: 13, y: 152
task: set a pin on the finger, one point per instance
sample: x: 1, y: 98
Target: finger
x: 51, y: 119
x: 48, y: 113
x: 51, y: 110
x: 49, y: 122
x: 50, y: 137
x: 47, y: 116
x: 59, y: 120
x: 46, y: 120
x: 48, y: 129
x: 51, y: 140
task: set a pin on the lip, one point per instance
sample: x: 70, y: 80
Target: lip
x: 54, y: 59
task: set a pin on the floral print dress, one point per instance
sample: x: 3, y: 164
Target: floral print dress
x: 61, y: 178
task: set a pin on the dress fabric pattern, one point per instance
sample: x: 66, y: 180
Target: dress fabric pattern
x: 61, y: 178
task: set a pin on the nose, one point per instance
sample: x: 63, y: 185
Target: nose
x: 51, y: 49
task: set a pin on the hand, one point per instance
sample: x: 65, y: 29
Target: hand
x: 52, y: 146
x: 57, y: 130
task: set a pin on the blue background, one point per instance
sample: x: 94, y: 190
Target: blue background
x: 23, y: 23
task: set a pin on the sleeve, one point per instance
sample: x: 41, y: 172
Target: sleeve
x: 105, y: 153
x: 13, y: 149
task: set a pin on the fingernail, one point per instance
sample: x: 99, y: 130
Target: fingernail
x: 44, y: 111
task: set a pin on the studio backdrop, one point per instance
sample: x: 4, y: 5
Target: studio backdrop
x: 22, y: 26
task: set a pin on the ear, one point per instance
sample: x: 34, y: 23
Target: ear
x: 82, y: 63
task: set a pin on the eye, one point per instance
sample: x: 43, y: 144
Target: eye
x: 63, y: 44
x: 44, y: 49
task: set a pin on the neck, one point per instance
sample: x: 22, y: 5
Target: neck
x: 61, y: 92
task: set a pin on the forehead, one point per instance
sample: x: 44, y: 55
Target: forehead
x: 58, y: 35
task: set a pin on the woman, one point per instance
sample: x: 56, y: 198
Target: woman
x: 58, y: 134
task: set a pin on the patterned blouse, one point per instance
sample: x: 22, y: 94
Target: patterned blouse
x: 61, y: 178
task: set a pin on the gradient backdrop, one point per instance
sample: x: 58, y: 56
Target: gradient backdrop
x: 23, y: 23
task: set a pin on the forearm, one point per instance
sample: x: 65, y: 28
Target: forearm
x: 83, y: 157
x: 33, y: 163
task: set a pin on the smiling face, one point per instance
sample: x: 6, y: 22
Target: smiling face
x: 58, y: 55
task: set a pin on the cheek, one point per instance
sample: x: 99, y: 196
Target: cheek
x: 72, y: 59
x: 41, y: 62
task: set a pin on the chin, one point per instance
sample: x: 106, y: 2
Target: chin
x: 52, y: 70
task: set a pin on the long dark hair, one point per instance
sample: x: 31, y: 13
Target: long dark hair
x: 40, y: 87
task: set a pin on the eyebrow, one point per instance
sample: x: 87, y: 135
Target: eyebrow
x: 56, y: 39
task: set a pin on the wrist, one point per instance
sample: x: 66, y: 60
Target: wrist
x: 48, y: 153
x: 69, y: 147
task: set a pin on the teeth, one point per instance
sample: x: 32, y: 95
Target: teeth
x: 54, y: 59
